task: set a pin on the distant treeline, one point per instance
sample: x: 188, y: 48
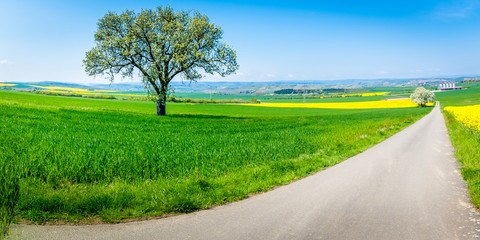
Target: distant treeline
x: 297, y: 91
x: 344, y: 90
x: 317, y: 91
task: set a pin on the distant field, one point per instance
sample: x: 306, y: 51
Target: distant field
x: 325, y: 100
x: 85, y: 91
x: 459, y: 97
x: 82, y: 159
x: 473, y: 85
x: 391, y: 89
x: 394, y: 103
x: 280, y: 98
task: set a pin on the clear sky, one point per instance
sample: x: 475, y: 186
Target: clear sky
x: 275, y: 40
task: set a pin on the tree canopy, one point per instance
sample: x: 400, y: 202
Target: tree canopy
x: 422, y: 96
x: 159, y: 45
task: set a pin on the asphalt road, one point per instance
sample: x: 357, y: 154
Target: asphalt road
x: 407, y: 187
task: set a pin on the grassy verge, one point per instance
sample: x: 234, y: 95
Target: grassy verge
x: 466, y: 141
x: 87, y: 159
x: 467, y: 151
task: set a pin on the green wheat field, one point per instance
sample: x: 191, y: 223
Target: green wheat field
x: 79, y: 160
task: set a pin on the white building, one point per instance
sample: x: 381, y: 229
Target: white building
x: 448, y: 86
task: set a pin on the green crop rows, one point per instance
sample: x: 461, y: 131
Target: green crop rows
x: 82, y: 159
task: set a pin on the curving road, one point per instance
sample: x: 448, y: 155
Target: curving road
x: 407, y: 187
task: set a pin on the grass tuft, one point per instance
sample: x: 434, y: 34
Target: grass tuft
x: 9, y: 190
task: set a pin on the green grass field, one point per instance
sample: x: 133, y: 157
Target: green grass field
x: 85, y: 159
x: 469, y: 96
x: 390, y: 89
x: 466, y: 141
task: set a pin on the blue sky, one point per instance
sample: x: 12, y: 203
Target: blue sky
x: 274, y: 40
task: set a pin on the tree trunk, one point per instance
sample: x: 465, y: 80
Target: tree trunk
x: 161, y: 103
x: 162, y: 100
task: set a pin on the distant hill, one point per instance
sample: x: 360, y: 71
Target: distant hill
x: 60, y: 84
x: 258, y: 88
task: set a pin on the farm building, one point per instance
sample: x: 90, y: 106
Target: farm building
x: 448, y: 86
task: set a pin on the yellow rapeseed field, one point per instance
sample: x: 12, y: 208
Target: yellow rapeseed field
x: 107, y: 91
x: 7, y: 84
x: 400, y: 103
x: 111, y: 94
x: 62, y: 88
x: 82, y: 91
x: 468, y: 115
x: 97, y: 93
